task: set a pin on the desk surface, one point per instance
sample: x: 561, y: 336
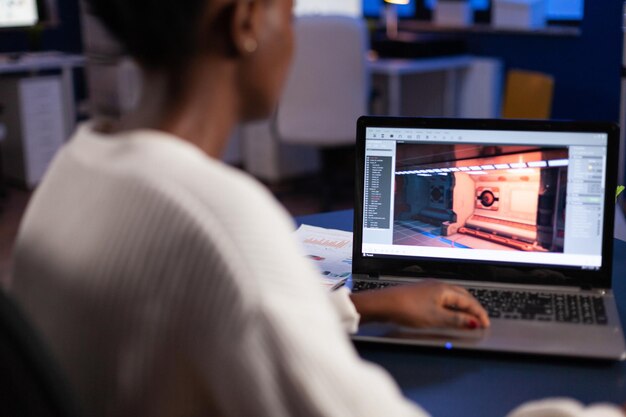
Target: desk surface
x: 39, y: 62
x: 418, y: 65
x: 468, y: 384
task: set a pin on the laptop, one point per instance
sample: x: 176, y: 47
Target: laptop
x: 518, y: 212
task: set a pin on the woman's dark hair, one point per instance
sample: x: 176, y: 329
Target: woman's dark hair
x: 159, y: 34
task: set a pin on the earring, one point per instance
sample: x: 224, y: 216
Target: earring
x: 250, y: 45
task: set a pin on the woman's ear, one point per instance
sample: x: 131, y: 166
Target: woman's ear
x: 232, y: 28
x: 245, y: 26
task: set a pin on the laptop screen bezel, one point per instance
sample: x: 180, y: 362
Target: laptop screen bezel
x: 487, y: 270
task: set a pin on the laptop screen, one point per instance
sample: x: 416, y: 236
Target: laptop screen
x: 480, y: 194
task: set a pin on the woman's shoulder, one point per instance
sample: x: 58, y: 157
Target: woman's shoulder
x: 152, y: 177
x: 163, y: 162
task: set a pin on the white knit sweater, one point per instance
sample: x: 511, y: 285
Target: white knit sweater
x: 169, y: 284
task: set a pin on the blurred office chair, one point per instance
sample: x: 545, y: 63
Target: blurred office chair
x: 31, y: 385
x: 327, y: 90
x: 527, y: 95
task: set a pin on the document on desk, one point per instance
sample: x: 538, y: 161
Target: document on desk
x: 330, y: 250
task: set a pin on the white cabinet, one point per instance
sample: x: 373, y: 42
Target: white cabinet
x: 39, y: 111
x: 35, y: 118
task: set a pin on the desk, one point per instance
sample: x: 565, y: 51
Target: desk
x: 459, y: 86
x: 471, y: 384
x: 471, y: 86
x: 394, y: 69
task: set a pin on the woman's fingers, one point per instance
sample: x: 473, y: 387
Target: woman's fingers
x: 466, y: 303
x: 459, y: 319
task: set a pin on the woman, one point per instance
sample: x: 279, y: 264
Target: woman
x: 167, y: 283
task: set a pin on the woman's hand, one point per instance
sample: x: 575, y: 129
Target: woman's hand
x: 426, y: 304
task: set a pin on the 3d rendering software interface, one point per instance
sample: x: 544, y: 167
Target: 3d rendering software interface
x: 527, y: 197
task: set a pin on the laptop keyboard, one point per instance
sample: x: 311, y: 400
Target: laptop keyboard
x: 522, y: 305
x: 526, y: 305
x: 370, y: 285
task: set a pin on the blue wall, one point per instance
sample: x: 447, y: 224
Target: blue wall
x: 586, y: 68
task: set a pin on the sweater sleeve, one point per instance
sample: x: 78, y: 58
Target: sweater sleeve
x: 564, y: 407
x: 346, y: 310
x: 278, y: 359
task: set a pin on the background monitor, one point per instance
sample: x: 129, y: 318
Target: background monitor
x: 374, y: 9
x: 556, y: 10
x: 18, y: 13
x: 565, y: 9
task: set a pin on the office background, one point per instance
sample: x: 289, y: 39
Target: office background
x: 586, y: 67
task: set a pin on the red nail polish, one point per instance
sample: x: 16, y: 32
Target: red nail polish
x: 472, y: 324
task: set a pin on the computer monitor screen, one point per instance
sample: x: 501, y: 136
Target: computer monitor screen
x: 18, y: 13
x: 565, y: 9
x: 374, y: 9
x: 528, y: 197
x: 555, y: 9
x: 328, y: 7
x: 476, y: 4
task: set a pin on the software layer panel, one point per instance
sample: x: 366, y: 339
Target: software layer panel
x: 35, y: 126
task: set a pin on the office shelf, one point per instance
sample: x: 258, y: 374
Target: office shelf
x: 483, y: 28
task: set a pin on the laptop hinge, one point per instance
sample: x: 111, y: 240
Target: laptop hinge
x: 372, y: 275
x: 596, y: 290
x: 365, y: 276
